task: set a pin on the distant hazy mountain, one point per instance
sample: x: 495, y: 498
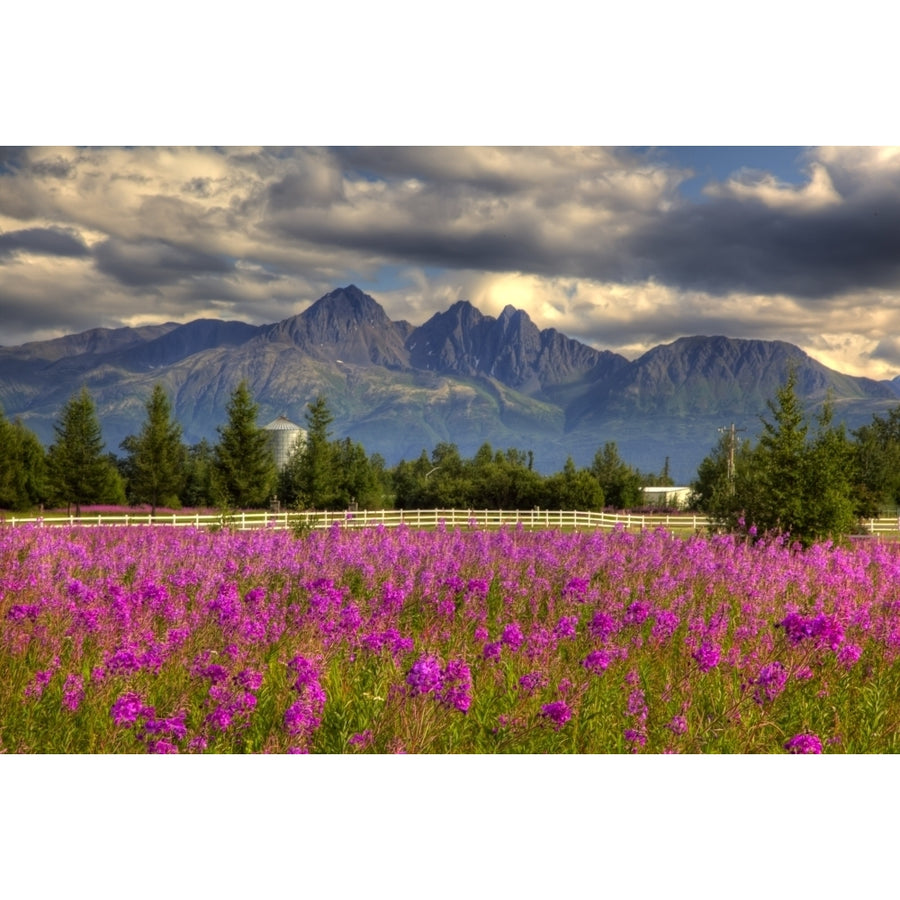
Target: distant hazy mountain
x: 461, y: 377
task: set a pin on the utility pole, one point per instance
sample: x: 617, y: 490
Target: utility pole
x: 732, y: 441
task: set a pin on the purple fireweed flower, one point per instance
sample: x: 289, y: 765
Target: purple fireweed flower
x: 175, y: 637
x: 249, y: 679
x: 253, y: 631
x: 227, y: 605
x: 350, y: 618
x: 481, y: 633
x: 492, y: 650
x: 566, y: 627
x: 707, y: 656
x: 215, y: 673
x: 456, y: 685
x: 826, y: 629
x: 400, y: 645
x: 220, y: 718
x: 576, y: 589
x: 374, y: 641
x: 557, y: 712
x: 637, y: 705
x: 41, y: 679
x: 637, y: 613
x: 512, y: 636
x: 301, y: 718
x: 173, y: 727
x: 602, y: 626
x: 122, y: 661
x: 829, y: 632
x: 198, y: 744
x: 425, y: 675
x: 677, y: 725
x: 363, y: 739
x: 770, y: 682
x: 161, y: 746
x: 597, y: 661
x: 73, y: 692
x: 255, y: 596
x: 305, y: 670
x: 804, y: 743
x: 392, y: 599
x: 128, y: 708
x: 533, y: 681
x: 849, y: 655
x: 22, y: 611
x: 664, y: 625
x: 635, y: 737
x: 539, y: 641
x: 152, y: 658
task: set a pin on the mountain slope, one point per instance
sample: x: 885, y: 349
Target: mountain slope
x: 701, y: 376
x: 461, y: 377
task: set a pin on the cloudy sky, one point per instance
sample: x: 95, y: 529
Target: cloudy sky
x: 627, y: 243
x: 623, y: 248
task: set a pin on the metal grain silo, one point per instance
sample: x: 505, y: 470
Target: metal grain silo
x: 284, y: 435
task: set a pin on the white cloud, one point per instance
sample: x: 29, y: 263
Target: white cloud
x: 817, y: 193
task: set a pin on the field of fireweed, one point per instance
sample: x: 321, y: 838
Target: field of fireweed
x: 162, y: 640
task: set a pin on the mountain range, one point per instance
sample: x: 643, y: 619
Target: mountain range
x: 461, y: 377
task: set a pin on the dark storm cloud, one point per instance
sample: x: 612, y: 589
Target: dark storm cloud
x: 309, y: 187
x: 725, y: 245
x: 58, y: 167
x: 154, y: 262
x: 481, y: 249
x: 432, y: 164
x: 46, y: 241
x: 888, y: 350
x: 477, y: 209
x: 28, y: 315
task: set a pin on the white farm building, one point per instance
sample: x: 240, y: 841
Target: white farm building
x: 671, y: 497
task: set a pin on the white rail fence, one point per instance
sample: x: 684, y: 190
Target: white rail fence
x: 388, y: 518
x: 412, y: 518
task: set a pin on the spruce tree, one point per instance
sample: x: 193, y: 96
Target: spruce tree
x: 781, y: 461
x: 156, y: 457
x: 310, y: 478
x: 620, y: 483
x: 242, y: 461
x: 78, y: 471
x: 199, y: 476
x: 22, y: 466
x: 789, y: 483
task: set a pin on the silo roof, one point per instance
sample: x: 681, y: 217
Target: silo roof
x: 282, y: 423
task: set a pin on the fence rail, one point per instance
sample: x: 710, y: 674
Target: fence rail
x: 388, y: 518
x: 413, y: 518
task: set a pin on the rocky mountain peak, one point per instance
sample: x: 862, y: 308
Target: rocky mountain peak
x: 345, y: 325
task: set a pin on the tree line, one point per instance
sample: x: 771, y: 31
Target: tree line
x: 808, y: 478
x: 158, y: 469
